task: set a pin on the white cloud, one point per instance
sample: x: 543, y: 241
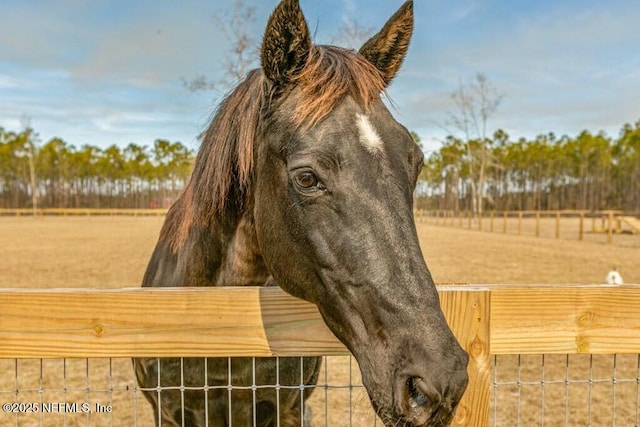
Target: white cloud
x: 561, y: 71
x: 134, y: 43
x: 144, y: 54
x: 91, y: 75
x: 10, y: 82
x: 462, y: 10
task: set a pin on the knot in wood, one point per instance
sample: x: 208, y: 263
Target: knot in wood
x: 98, y: 329
x: 476, y: 348
x: 585, y: 318
x: 582, y: 345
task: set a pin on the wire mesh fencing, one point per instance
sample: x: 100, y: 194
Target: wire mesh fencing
x: 104, y: 392
x: 528, y: 390
x: 566, y: 390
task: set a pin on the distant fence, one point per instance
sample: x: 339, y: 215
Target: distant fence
x: 511, y: 333
x: 82, y: 212
x: 607, y: 222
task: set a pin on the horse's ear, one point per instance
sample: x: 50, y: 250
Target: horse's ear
x: 286, y: 43
x: 387, y: 49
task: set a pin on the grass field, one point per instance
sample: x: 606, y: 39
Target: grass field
x: 113, y: 251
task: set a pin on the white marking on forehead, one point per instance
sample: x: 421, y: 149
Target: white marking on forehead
x: 368, y: 135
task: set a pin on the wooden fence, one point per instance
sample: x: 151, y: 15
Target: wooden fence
x: 488, y: 320
x: 81, y: 212
x: 607, y: 222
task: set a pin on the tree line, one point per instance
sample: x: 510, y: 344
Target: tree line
x: 57, y: 174
x: 587, y: 171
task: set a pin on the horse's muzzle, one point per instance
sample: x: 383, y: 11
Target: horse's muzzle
x: 430, y: 400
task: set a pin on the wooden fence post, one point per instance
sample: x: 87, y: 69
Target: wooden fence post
x: 468, y: 316
x: 520, y: 223
x: 581, y: 226
x: 610, y: 228
x: 504, y: 223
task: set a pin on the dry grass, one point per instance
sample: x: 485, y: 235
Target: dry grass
x: 113, y: 252
x: 459, y: 255
x: 92, y: 252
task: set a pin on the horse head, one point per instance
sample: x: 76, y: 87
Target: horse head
x: 332, y: 179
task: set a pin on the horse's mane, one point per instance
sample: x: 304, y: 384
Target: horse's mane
x: 224, y: 162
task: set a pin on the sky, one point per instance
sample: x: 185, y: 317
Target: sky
x: 105, y: 72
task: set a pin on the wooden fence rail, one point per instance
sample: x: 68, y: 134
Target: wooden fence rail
x: 198, y: 322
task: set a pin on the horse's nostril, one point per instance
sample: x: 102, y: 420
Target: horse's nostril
x: 418, y: 400
x: 416, y: 396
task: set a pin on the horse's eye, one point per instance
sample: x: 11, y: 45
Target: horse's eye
x: 306, y: 180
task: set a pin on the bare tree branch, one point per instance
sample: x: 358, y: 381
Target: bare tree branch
x: 476, y: 103
x: 241, y: 52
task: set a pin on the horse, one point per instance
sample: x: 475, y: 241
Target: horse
x: 304, y: 180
